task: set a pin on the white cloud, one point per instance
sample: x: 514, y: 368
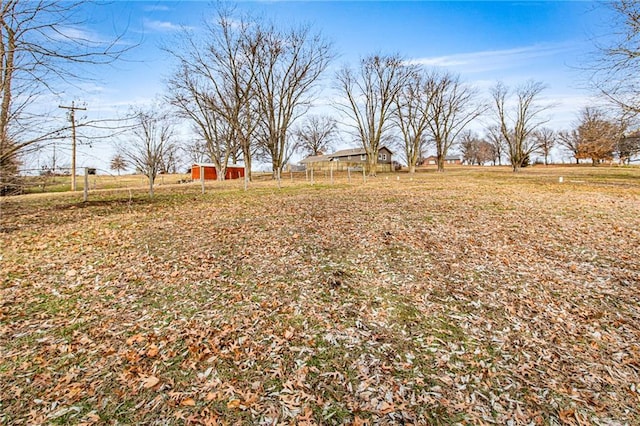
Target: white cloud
x: 76, y: 33
x: 492, y: 60
x: 162, y: 26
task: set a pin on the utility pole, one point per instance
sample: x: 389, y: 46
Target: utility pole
x: 72, y: 116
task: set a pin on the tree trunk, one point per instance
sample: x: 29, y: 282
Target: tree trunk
x: 151, y: 180
x: 247, y: 161
x: 440, y: 161
x: 412, y: 168
x: 373, y: 164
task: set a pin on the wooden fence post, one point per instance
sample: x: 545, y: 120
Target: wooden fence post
x: 86, y: 184
x: 202, y: 178
x: 331, y: 171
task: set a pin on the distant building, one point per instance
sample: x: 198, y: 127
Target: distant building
x: 432, y: 160
x: 341, y: 160
x: 233, y: 171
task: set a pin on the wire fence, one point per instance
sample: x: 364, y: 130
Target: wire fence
x: 88, y: 180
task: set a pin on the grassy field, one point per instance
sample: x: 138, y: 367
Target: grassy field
x: 46, y: 184
x: 474, y: 297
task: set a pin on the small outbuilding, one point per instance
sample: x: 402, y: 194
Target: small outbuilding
x: 233, y: 171
x: 433, y: 160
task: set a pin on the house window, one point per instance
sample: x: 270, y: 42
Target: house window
x: 363, y: 157
x: 382, y: 157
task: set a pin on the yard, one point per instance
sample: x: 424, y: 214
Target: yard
x: 475, y: 296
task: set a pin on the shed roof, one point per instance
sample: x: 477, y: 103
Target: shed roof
x: 354, y: 151
x: 315, y: 159
x: 213, y: 165
x: 347, y: 152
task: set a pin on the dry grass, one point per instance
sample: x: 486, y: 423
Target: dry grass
x: 47, y: 184
x: 474, y: 296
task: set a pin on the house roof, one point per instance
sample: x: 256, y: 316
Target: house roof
x: 315, y: 159
x: 347, y: 152
x: 354, y: 151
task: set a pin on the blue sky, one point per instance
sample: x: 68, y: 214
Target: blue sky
x: 483, y: 41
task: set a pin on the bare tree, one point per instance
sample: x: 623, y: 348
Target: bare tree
x: 493, y: 135
x: 151, y: 143
x: 315, y: 135
x: 595, y: 136
x: 215, y: 86
x: 411, y: 114
x: 468, y: 143
x: 452, y: 107
x: 517, y: 126
x: 616, y: 71
x: 570, y: 140
x: 475, y: 150
x: 289, y: 66
x: 545, y: 139
x: 370, y: 94
x: 628, y: 147
x: 118, y: 163
x: 205, y: 109
x: 42, y: 51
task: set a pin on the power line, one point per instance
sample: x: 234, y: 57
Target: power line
x: 72, y: 116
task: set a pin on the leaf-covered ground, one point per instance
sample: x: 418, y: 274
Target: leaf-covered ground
x: 470, y: 297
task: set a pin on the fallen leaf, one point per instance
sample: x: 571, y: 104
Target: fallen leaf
x: 235, y: 403
x: 152, y: 351
x: 189, y: 402
x: 150, y: 381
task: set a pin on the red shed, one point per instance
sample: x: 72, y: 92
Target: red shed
x: 233, y: 171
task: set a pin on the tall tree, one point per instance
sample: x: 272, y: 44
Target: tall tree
x: 214, y: 86
x: 517, y: 125
x: 616, y: 72
x: 493, y: 135
x: 41, y: 51
x: 595, y: 136
x: 475, y: 150
x: 570, y: 140
x: 412, y: 116
x: 206, y: 112
x: 628, y: 147
x: 315, y: 134
x: 370, y: 93
x: 545, y: 139
x: 289, y: 67
x: 151, y: 143
x: 451, y: 108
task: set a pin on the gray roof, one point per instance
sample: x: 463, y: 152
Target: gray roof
x: 347, y: 152
x: 354, y: 151
x: 342, y: 153
x: 315, y: 159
